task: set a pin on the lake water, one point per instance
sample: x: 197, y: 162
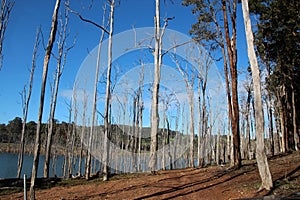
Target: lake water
x: 9, y: 165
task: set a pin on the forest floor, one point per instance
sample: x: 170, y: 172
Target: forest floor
x: 206, y: 183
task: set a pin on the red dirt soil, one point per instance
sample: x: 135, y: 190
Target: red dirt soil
x: 205, y: 183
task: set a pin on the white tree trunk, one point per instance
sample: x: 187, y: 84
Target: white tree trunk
x: 92, y: 129
x: 107, y: 97
x: 42, y: 95
x: 262, y: 161
x: 26, y: 104
x: 154, y: 104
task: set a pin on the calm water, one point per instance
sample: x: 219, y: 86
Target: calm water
x: 9, y: 165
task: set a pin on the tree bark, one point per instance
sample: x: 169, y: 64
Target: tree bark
x: 41, y: 106
x: 156, y: 82
x: 26, y: 104
x: 61, y: 60
x: 231, y: 50
x: 92, y: 128
x: 107, y: 96
x: 296, y: 136
x: 262, y: 161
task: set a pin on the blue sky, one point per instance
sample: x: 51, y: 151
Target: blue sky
x: 20, y: 36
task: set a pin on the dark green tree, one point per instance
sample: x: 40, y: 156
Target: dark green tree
x: 278, y: 44
x: 14, y: 128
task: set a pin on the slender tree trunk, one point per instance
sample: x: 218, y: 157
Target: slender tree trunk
x: 231, y: 50
x: 51, y: 118
x: 227, y: 83
x: 107, y: 97
x: 26, y: 104
x: 154, y: 105
x: 141, y: 108
x: 296, y: 136
x: 83, y: 130
x: 262, y: 161
x: 192, y: 128
x: 61, y: 60
x: 218, y: 148
x: 92, y: 128
x: 41, y: 106
x: 199, y: 125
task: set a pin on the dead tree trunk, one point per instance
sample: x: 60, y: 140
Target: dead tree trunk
x: 92, y: 128
x: 6, y: 7
x: 262, y: 161
x: 83, y: 131
x: 107, y: 96
x: 61, y: 61
x: 141, y: 108
x: 26, y: 104
x: 41, y: 106
x: 156, y: 82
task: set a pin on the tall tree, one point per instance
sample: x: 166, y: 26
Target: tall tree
x: 262, y: 161
x: 154, y: 104
x: 108, y: 92
x: 229, y: 8
x: 277, y: 39
x: 6, y: 7
x: 207, y: 30
x: 26, y: 99
x: 61, y: 61
x: 92, y: 128
x: 42, y: 96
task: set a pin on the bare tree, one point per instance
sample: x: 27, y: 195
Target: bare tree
x: 6, y: 7
x: 262, y: 161
x: 154, y: 105
x: 61, y: 61
x: 108, y: 91
x: 25, y: 99
x: 189, y: 84
x: 158, y: 55
x: 83, y: 130
x: 141, y: 108
x: 42, y: 95
x: 92, y: 128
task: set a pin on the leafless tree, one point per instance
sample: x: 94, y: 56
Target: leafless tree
x: 25, y: 99
x: 83, y: 130
x: 108, y: 92
x: 92, y: 128
x: 42, y: 95
x: 158, y: 55
x: 63, y: 50
x: 189, y: 78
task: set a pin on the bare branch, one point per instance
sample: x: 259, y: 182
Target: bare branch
x: 87, y: 20
x: 6, y: 8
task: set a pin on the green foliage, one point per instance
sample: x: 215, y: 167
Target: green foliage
x: 278, y: 38
x: 204, y: 30
x: 278, y: 45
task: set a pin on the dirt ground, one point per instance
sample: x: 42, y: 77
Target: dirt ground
x: 205, y: 183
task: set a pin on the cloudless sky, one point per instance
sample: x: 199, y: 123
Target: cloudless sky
x: 27, y: 15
